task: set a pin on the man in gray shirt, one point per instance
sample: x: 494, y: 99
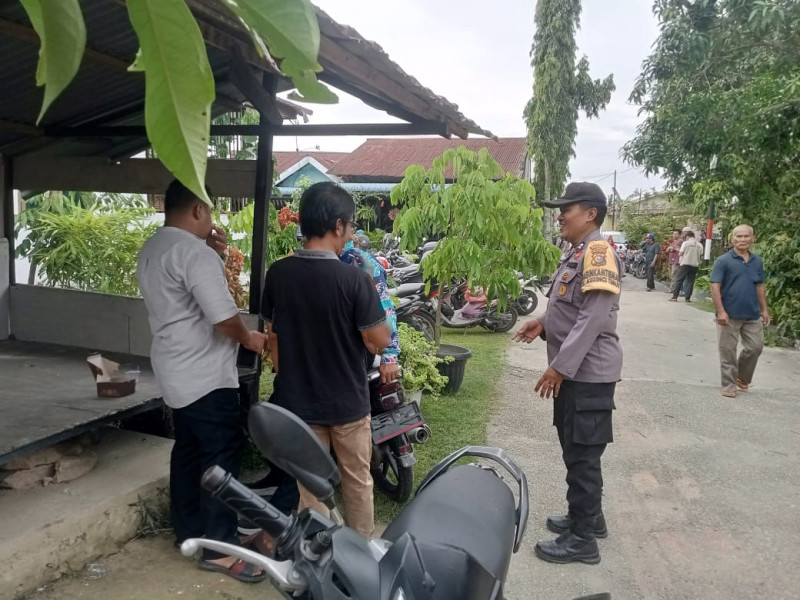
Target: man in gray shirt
x: 585, y: 357
x: 196, y: 330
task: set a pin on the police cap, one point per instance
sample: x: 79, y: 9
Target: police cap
x: 579, y: 192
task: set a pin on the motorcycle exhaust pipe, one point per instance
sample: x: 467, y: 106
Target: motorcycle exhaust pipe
x: 420, y: 435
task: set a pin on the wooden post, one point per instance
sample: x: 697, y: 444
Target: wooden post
x: 7, y: 206
x: 262, y: 198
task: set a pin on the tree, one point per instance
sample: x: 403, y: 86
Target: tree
x: 560, y: 89
x: 721, y: 95
x: 486, y: 226
x: 179, y: 83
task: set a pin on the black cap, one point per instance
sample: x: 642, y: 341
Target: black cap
x: 579, y: 191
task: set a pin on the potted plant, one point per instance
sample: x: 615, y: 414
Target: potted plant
x: 487, y: 229
x: 419, y: 363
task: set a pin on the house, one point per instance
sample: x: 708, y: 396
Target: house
x: 315, y: 166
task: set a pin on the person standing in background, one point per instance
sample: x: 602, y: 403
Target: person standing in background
x: 651, y: 251
x: 737, y: 288
x: 691, y: 253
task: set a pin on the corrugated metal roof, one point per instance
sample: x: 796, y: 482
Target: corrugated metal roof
x: 386, y: 159
x: 105, y: 93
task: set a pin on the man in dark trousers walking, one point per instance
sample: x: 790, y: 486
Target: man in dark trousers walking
x: 651, y: 250
x: 585, y: 359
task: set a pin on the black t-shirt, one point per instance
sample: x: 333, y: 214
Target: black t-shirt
x: 318, y: 307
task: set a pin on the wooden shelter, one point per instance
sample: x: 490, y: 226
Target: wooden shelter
x: 85, y: 143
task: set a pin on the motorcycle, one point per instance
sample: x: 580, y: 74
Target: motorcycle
x: 396, y: 425
x: 413, y: 308
x: 454, y: 540
x: 638, y: 265
x: 489, y: 318
x: 527, y: 301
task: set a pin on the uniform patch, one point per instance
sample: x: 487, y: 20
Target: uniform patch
x: 565, y: 276
x: 600, y: 271
x: 572, y: 265
x: 562, y: 290
x: 578, y: 254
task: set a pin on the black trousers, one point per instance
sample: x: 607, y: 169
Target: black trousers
x: 685, y: 280
x: 582, y: 417
x: 208, y: 432
x: 651, y: 281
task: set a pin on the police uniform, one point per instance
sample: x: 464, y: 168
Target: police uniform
x: 583, y: 346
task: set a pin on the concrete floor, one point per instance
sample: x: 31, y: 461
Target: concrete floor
x: 701, y: 491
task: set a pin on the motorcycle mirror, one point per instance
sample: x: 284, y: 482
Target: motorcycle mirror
x: 287, y: 442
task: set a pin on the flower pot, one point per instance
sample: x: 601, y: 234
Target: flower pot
x: 415, y: 396
x: 454, y: 369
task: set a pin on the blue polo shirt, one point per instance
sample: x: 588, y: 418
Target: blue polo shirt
x: 738, y: 280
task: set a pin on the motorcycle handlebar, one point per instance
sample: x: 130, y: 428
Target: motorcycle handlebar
x: 238, y: 497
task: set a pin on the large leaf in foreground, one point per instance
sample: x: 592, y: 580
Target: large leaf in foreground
x: 62, y: 33
x: 179, y: 87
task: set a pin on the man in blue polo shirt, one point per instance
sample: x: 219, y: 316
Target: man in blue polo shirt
x: 737, y: 288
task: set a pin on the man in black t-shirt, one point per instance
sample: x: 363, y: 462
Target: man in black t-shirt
x: 325, y: 316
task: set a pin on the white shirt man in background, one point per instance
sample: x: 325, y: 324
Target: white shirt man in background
x: 691, y: 253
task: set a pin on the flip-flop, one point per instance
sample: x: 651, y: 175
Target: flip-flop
x: 240, y: 570
x: 742, y: 385
x: 729, y: 393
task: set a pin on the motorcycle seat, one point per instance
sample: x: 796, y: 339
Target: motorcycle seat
x: 408, y: 289
x: 467, y: 507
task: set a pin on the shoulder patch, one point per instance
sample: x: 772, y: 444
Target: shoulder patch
x: 600, y: 271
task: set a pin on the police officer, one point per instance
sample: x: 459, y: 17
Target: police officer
x: 585, y: 361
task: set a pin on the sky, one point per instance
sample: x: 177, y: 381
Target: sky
x: 476, y: 54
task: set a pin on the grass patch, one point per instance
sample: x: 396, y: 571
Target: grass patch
x: 455, y: 421
x: 706, y: 305
x: 459, y: 420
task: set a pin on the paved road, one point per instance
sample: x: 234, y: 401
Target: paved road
x: 701, y: 492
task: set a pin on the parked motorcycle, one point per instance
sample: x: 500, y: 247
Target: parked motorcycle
x: 489, y: 318
x: 528, y: 300
x: 396, y: 425
x: 454, y: 540
x: 638, y: 265
x: 413, y: 309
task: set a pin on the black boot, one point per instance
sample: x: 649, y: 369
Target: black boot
x: 560, y: 524
x: 567, y: 548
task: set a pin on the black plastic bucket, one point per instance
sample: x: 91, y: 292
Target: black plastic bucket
x: 454, y: 369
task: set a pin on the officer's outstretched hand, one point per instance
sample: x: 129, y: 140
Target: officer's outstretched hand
x: 549, y: 383
x: 529, y: 332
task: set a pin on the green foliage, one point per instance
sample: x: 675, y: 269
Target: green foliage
x: 721, y: 92
x: 366, y: 214
x: 280, y: 242
x: 561, y: 89
x: 173, y: 56
x: 239, y: 147
x: 635, y: 228
x: 179, y: 82
x: 375, y: 237
x: 487, y: 227
x: 418, y: 360
x: 63, y: 34
x: 91, y: 248
x: 302, y: 185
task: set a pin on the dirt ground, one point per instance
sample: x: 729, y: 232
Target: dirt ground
x: 151, y: 569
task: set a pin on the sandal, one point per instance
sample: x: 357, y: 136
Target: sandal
x: 240, y: 570
x: 729, y: 393
x: 742, y: 385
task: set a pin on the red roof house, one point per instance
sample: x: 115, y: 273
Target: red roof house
x: 386, y: 159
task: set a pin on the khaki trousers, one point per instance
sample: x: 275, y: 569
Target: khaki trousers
x: 743, y: 366
x: 352, y: 443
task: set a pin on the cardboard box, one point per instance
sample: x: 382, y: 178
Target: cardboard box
x: 111, y: 382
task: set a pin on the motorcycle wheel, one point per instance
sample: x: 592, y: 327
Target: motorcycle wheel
x: 641, y: 271
x: 503, y: 322
x: 393, y: 479
x: 526, y: 303
x: 424, y: 323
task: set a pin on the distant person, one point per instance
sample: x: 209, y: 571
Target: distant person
x: 611, y: 243
x: 196, y: 330
x: 691, y: 253
x: 737, y: 288
x: 324, y: 316
x: 673, y: 251
x: 651, y: 251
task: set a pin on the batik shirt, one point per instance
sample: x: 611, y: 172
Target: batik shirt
x: 367, y: 262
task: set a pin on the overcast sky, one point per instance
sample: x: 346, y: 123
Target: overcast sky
x: 475, y: 53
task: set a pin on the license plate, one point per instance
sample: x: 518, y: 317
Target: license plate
x: 399, y: 420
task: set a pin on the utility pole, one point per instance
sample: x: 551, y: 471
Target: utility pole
x: 614, y: 206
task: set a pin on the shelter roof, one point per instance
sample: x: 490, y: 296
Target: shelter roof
x: 287, y: 160
x: 104, y: 93
x: 386, y: 159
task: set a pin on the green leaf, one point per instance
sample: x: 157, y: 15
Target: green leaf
x: 62, y: 32
x: 291, y: 32
x: 138, y: 63
x: 179, y: 88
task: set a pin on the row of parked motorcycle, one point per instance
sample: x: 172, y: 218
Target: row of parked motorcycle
x: 418, y: 305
